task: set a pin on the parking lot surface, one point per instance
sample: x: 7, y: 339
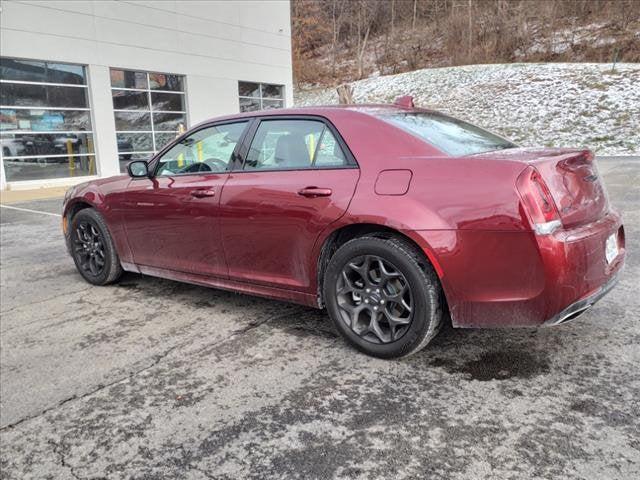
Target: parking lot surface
x: 155, y: 379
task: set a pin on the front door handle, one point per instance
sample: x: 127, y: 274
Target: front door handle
x: 312, y: 192
x: 203, y: 192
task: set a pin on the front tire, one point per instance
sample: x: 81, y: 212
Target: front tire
x: 383, y: 296
x: 92, y: 248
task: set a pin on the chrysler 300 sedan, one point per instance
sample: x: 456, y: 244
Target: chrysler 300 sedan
x: 389, y: 216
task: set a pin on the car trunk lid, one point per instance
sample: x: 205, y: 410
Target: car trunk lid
x: 571, y: 176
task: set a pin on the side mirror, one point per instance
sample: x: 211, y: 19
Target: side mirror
x: 138, y: 169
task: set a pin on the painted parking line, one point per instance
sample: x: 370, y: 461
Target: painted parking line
x: 31, y: 211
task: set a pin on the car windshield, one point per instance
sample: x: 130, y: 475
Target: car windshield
x: 450, y: 135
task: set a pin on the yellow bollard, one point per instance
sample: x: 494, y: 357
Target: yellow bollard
x: 72, y: 163
x: 92, y: 159
x: 181, y: 160
x: 199, y: 149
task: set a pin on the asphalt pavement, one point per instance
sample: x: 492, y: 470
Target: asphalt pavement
x: 156, y: 379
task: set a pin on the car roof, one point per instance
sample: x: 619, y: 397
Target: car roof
x: 328, y: 111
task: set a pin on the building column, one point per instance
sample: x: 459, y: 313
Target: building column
x: 3, y: 180
x: 104, y: 124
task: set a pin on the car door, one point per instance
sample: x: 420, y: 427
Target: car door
x: 172, y: 219
x: 297, y: 178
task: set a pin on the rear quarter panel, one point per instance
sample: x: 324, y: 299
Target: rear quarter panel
x: 463, y: 212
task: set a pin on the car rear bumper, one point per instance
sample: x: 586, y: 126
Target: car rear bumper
x: 576, y: 309
x: 577, y: 271
x: 520, y: 279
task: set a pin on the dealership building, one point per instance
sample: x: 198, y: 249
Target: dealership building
x: 87, y: 86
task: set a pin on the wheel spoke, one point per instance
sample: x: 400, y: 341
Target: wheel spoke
x: 376, y: 329
x: 375, y: 299
x: 406, y: 306
x: 92, y: 266
x: 88, y: 248
x: 361, y: 269
x: 387, y: 274
x: 347, y: 285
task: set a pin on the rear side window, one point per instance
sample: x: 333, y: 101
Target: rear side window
x: 450, y: 135
x: 293, y: 144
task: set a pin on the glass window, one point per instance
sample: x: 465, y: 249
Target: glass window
x: 162, y: 81
x: 150, y: 111
x: 127, y: 121
x: 284, y: 144
x: 130, y: 100
x: 36, y: 144
x: 22, y: 94
x: 450, y: 135
x: 272, y: 91
x: 260, y: 96
x: 45, y: 120
x: 207, y: 150
x: 168, y: 121
x: 134, y: 142
x: 168, y: 102
x: 38, y: 168
x: 128, y: 79
x: 41, y: 72
x: 271, y: 104
x: 163, y: 139
x: 249, y: 104
x: 249, y: 89
x: 329, y: 152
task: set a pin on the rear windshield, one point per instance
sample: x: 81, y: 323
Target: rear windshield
x: 452, y: 136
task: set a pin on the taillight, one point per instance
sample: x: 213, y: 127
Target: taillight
x: 538, y: 202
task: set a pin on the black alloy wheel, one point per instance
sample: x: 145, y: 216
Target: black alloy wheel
x: 89, y: 248
x: 92, y: 248
x: 383, y: 295
x: 375, y: 299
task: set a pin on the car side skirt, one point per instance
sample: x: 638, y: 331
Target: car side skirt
x: 285, y: 295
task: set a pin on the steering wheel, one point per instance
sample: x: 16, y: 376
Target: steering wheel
x: 206, y: 166
x: 220, y: 166
x: 196, y: 167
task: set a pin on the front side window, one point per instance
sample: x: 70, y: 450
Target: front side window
x: 45, y: 120
x: 260, y: 96
x: 450, y: 135
x: 149, y: 110
x: 209, y: 150
x: 293, y: 144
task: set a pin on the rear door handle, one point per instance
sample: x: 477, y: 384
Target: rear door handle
x: 312, y: 192
x: 203, y: 192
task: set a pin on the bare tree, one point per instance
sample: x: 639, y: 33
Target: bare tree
x: 332, y: 39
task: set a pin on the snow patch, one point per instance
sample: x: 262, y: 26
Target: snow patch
x: 550, y: 104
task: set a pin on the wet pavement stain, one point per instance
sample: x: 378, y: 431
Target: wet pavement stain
x: 497, y: 365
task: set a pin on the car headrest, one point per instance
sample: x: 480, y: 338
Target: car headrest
x: 291, y: 151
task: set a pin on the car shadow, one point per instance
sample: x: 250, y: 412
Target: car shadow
x: 479, y: 354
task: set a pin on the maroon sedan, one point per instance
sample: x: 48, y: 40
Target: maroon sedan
x: 388, y: 216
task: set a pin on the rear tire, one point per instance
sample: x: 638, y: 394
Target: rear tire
x: 92, y: 248
x: 383, y: 296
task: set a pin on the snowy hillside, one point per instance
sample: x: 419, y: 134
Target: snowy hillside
x: 551, y: 104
